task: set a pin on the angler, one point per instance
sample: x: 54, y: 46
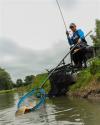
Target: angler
x: 78, y: 55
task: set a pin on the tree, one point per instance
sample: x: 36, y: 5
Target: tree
x: 19, y: 83
x: 96, y: 39
x: 5, y: 80
x: 29, y: 79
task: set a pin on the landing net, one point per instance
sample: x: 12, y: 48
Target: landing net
x: 32, y: 100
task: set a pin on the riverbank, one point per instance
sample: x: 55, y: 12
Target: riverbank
x: 7, y: 91
x: 87, y: 85
x: 39, y: 79
x: 88, y: 82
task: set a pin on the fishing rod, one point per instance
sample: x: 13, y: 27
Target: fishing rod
x: 61, y: 61
x: 61, y: 14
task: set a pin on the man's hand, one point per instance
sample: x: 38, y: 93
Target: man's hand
x: 67, y: 33
x: 76, y: 50
x: 79, y: 41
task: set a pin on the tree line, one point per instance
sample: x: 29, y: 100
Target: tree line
x: 28, y: 80
x: 96, y: 38
x: 6, y: 82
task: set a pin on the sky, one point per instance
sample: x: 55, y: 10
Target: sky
x: 32, y: 33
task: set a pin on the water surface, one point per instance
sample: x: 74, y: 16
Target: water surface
x: 56, y: 111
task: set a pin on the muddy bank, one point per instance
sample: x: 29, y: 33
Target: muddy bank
x: 92, y: 91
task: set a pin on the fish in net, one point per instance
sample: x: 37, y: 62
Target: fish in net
x: 31, y: 101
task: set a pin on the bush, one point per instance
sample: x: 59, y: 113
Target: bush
x: 95, y: 67
x: 83, y: 79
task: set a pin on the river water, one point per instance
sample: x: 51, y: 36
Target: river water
x: 56, y: 111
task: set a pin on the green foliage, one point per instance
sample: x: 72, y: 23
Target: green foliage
x: 5, y: 80
x: 95, y: 67
x: 96, y: 38
x: 98, y: 77
x: 29, y: 79
x: 39, y: 80
x: 7, y: 91
x: 83, y: 79
x: 19, y: 83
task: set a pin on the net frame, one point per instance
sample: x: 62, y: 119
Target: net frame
x: 39, y: 93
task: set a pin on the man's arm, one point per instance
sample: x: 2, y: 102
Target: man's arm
x: 81, y: 34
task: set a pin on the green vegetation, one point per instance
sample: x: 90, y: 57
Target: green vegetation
x: 95, y: 67
x: 7, y: 91
x: 39, y: 80
x: 5, y: 80
x: 96, y: 38
x: 7, y: 86
x: 30, y: 82
x: 88, y: 76
x: 27, y: 81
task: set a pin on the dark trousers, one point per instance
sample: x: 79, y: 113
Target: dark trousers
x: 79, y: 57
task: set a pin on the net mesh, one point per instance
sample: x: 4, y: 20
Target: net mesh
x: 32, y: 100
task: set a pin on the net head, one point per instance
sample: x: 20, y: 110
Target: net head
x: 32, y: 100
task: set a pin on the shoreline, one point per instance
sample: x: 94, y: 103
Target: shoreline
x: 84, y: 95
x: 93, y: 94
x: 7, y: 91
x: 92, y: 91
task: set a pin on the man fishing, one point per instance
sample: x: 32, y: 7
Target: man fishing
x: 79, y: 52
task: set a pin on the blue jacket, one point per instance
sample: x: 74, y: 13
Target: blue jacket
x: 79, y: 34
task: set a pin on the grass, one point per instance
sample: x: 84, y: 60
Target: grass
x: 88, y: 78
x: 7, y: 91
x: 83, y: 80
x: 39, y: 79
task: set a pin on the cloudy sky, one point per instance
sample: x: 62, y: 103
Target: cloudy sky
x: 32, y: 34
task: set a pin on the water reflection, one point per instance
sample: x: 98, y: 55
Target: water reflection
x: 61, y: 111
x: 83, y: 111
x: 6, y: 101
